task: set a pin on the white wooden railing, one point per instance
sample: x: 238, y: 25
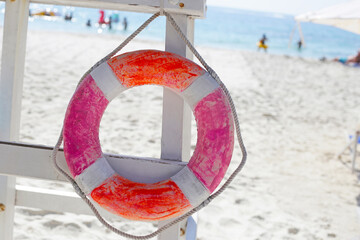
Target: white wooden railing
x: 34, y: 161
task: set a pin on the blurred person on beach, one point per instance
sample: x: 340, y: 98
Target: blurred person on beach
x: 299, y: 43
x: 102, y: 17
x: 351, y: 59
x: 125, y: 24
x: 68, y: 16
x: 109, y: 23
x: 115, y: 17
x: 262, y: 43
x: 88, y: 23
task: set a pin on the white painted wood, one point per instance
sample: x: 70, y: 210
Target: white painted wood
x: 24, y: 161
x: 187, y: 230
x: 176, y: 120
x: 172, y: 233
x: 34, y: 161
x: 176, y: 125
x: 50, y: 200
x: 57, y: 201
x: 12, y: 67
x: 7, y: 198
x: 171, y: 122
x: 190, y: 7
x: 12, y: 72
x: 191, y: 227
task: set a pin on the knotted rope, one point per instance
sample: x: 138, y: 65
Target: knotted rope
x: 236, y: 122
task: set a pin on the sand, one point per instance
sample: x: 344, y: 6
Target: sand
x: 294, y: 114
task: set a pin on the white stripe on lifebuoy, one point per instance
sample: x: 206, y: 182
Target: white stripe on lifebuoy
x: 191, y: 186
x: 107, y: 81
x: 94, y: 175
x: 200, y: 88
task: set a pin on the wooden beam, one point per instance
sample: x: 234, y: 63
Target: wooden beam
x: 176, y: 121
x: 191, y: 227
x: 185, y: 7
x: 7, y: 200
x: 50, y: 200
x: 12, y: 67
x: 57, y: 201
x: 34, y: 161
x: 11, y: 82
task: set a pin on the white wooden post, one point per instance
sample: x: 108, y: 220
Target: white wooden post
x: 176, y: 121
x: 12, y: 73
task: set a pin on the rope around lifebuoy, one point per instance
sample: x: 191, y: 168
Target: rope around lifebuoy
x: 236, y: 122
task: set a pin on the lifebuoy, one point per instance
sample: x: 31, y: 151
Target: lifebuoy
x: 191, y: 185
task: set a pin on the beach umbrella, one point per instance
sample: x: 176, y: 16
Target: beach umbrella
x: 345, y: 16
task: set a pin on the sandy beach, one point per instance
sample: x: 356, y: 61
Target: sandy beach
x: 295, y: 115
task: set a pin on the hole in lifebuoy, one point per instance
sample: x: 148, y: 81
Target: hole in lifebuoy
x: 132, y: 123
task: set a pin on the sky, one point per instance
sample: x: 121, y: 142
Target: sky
x: 292, y: 7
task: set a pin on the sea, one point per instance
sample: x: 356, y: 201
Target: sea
x: 222, y: 28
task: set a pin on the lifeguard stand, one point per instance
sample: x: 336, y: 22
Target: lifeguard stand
x: 33, y: 161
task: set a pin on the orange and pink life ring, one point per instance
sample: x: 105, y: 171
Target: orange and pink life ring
x: 191, y: 185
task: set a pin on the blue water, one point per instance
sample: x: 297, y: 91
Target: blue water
x: 222, y: 28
